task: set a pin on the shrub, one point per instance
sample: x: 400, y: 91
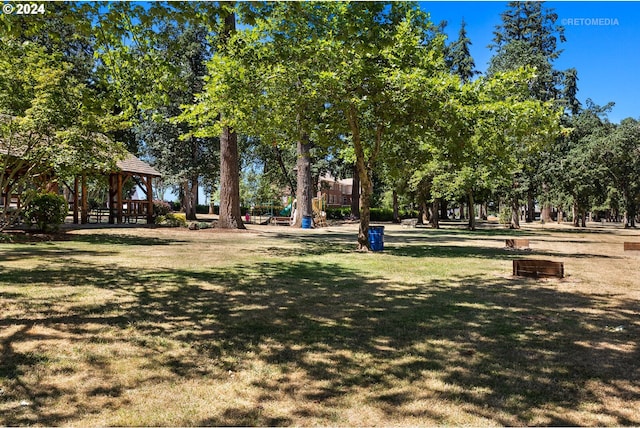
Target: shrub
x: 161, y: 208
x: 381, y: 214
x: 504, y: 218
x: 177, y: 219
x: 338, y: 213
x: 172, y: 220
x: 47, y: 211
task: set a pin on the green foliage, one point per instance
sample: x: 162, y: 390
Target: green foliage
x: 618, y: 154
x: 338, y: 213
x: 377, y: 214
x: 47, y: 211
x: 51, y: 120
x: 504, y: 216
x: 172, y: 220
x: 459, y: 57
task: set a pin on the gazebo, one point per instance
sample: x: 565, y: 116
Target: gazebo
x: 119, y: 209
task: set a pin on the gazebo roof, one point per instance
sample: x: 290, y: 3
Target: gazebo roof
x: 133, y: 165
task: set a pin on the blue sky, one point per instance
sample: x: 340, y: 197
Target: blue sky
x: 606, y: 55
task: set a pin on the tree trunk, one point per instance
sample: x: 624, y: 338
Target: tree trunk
x: 188, y: 200
x: 531, y: 207
x: 185, y: 198
x: 283, y: 168
x: 230, y: 217
x: 560, y: 216
x: 423, y: 213
x: 576, y: 214
x: 444, y: 215
x: 304, y: 189
x: 583, y: 221
x: 545, y: 214
x: 365, y: 208
x: 396, y: 209
x: 434, y: 221
x: 629, y: 210
x: 515, y: 213
x: 366, y: 183
x: 462, y: 209
x: 355, y: 193
x: 472, y: 214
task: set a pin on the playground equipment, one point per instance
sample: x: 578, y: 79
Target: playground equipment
x: 264, y: 213
x: 319, y: 214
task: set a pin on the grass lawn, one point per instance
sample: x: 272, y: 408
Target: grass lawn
x: 273, y: 326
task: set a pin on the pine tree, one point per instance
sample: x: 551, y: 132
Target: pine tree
x: 570, y: 91
x: 459, y: 57
x: 528, y: 36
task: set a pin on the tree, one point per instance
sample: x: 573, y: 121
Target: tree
x: 230, y: 216
x: 459, y: 57
x: 574, y: 175
x: 182, y: 160
x: 619, y: 154
x: 51, y: 123
x: 386, y: 63
x: 528, y: 37
x: 292, y: 58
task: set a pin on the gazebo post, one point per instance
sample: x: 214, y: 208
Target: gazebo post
x: 84, y: 217
x: 112, y: 216
x: 75, y: 200
x: 119, y: 199
x: 149, y: 199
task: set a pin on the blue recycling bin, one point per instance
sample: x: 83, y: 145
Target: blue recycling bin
x: 376, y: 238
x: 307, y: 222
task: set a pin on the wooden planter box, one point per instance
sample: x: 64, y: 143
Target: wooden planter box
x: 517, y: 243
x: 538, y: 268
x: 632, y: 246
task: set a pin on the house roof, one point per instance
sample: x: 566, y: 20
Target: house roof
x: 330, y: 178
x: 132, y: 164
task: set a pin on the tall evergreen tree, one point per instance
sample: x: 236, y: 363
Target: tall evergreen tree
x: 570, y: 91
x: 459, y: 56
x: 528, y: 37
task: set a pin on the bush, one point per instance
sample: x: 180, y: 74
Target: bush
x: 338, y: 213
x: 377, y: 214
x: 173, y: 220
x: 161, y: 208
x: 504, y: 218
x: 47, y: 211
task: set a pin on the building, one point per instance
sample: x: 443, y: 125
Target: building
x: 337, y: 193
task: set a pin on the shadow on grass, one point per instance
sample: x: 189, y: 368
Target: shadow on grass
x: 511, y: 350
x: 460, y: 251
x: 121, y: 239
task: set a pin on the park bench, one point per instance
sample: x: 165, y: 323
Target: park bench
x: 632, y: 246
x: 409, y: 222
x: 538, y: 268
x: 517, y: 243
x: 281, y: 221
